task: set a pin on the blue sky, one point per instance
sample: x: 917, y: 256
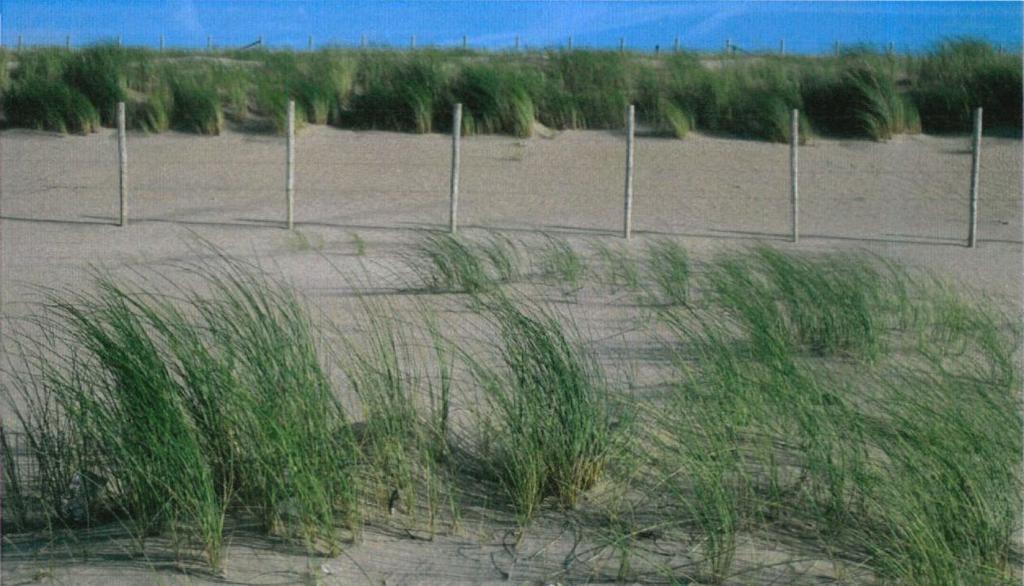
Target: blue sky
x: 807, y: 27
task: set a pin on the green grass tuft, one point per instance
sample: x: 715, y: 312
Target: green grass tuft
x: 668, y: 264
x: 560, y: 262
x: 549, y: 430
x: 196, y: 107
x: 446, y: 262
x: 43, y: 104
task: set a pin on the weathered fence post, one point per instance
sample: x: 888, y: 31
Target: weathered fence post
x: 412, y: 42
x: 627, y: 223
x: 972, y: 235
x: 570, y: 42
x: 622, y: 44
x: 290, y: 174
x: 453, y: 194
x: 794, y: 143
x: 517, y: 42
x: 728, y: 46
x: 675, y: 45
x: 782, y: 46
x: 161, y: 43
x: 67, y: 42
x: 835, y: 48
x: 465, y: 42
x: 309, y: 43
x: 122, y: 165
x: 209, y: 42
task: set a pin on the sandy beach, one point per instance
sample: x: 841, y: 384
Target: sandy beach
x: 362, y: 197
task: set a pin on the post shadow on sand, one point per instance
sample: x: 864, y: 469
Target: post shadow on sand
x: 558, y: 229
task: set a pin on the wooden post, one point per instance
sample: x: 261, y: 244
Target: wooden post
x: 517, y: 42
x: 122, y: 165
x: 782, y: 46
x: 465, y: 42
x: 622, y: 44
x: 570, y: 42
x: 835, y: 48
x: 794, y: 143
x: 453, y: 202
x: 627, y: 222
x: 67, y: 42
x: 209, y: 42
x: 728, y: 46
x: 972, y: 235
x: 309, y: 43
x: 20, y: 42
x: 161, y: 43
x: 675, y: 45
x: 290, y: 176
x: 412, y: 42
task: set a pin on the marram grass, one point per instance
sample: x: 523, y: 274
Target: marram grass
x: 864, y: 410
x: 858, y: 93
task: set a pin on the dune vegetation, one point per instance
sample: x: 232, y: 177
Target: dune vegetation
x: 858, y: 93
x: 866, y: 410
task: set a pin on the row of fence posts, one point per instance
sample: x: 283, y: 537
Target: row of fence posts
x: 730, y: 47
x: 627, y: 224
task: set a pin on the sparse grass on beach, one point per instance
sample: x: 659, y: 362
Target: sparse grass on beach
x: 761, y: 434
x: 866, y: 411
x: 562, y: 264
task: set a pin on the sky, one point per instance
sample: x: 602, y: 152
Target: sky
x: 805, y: 27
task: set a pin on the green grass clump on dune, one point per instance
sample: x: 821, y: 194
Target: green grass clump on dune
x: 495, y: 99
x: 859, y: 93
x: 399, y: 92
x: 405, y: 435
x: 912, y: 460
x: 961, y: 75
x: 5, y: 75
x: 320, y: 84
x: 99, y: 73
x: 864, y: 411
x: 561, y: 263
x: 548, y: 430
x: 829, y: 305
x: 586, y: 89
x: 42, y: 104
x: 859, y: 100
x: 196, y: 107
x: 153, y: 112
x: 668, y: 265
x: 447, y: 262
x: 38, y: 95
x: 229, y: 382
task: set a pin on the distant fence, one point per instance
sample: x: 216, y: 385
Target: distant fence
x: 677, y: 44
x: 630, y: 155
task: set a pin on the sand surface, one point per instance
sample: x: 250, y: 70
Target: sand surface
x: 905, y: 199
